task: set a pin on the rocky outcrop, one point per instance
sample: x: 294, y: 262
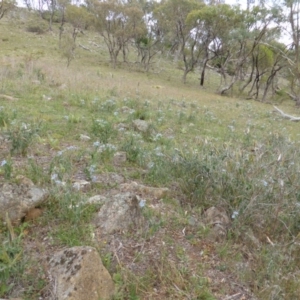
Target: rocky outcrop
x: 81, y: 185
x: 78, y: 273
x: 140, y: 125
x: 18, y: 199
x: 144, y: 191
x: 119, y: 212
x: 108, y: 179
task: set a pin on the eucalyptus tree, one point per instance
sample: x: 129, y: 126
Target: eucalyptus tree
x: 256, y: 26
x: 118, y: 22
x: 78, y: 17
x: 52, y: 8
x: 178, y: 33
x: 293, y: 55
x: 6, y: 6
x: 267, y: 61
x: 150, y: 43
x: 62, y: 6
x: 212, y: 27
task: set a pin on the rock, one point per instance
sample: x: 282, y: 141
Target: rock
x: 97, y: 199
x: 119, y: 213
x: 37, y: 82
x: 157, y: 193
x: 82, y: 185
x: 84, y: 137
x: 127, y: 110
x: 79, y: 274
x: 140, y: 125
x: 20, y: 179
x: 120, y: 158
x: 218, y: 220
x: 47, y: 98
x: 16, y: 200
x: 108, y: 179
x: 121, y: 127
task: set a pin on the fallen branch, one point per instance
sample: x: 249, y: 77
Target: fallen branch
x: 286, y: 116
x: 85, y: 48
x: 6, y: 97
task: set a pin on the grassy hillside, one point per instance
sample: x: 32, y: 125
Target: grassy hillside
x: 208, y: 150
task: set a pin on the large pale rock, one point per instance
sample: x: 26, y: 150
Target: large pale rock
x: 140, y: 125
x: 144, y: 191
x: 81, y: 185
x: 108, y: 179
x: 97, y: 199
x: 16, y: 200
x: 79, y: 274
x: 119, y: 213
x: 84, y: 137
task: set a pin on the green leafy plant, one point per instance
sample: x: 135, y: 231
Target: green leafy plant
x: 103, y: 129
x: 11, y: 259
x: 22, y: 137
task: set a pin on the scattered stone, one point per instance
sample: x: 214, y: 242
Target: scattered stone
x: 152, y: 192
x: 120, y: 158
x: 47, y: 98
x: 16, y: 200
x: 82, y: 185
x: 140, y: 125
x: 126, y: 109
x: 37, y: 82
x: 79, y: 274
x: 108, y: 179
x: 84, y: 138
x: 20, y: 179
x: 119, y: 213
x: 121, y: 127
x: 218, y: 220
x: 97, y: 199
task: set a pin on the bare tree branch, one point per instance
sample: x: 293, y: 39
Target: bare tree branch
x: 286, y: 116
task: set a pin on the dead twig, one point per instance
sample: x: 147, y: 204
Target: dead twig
x: 237, y: 296
x: 286, y: 116
x: 6, y: 97
x: 85, y: 48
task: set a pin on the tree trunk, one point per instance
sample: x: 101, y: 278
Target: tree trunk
x: 184, y: 76
x: 203, y: 72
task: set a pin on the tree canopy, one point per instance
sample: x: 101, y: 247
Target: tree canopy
x: 242, y: 45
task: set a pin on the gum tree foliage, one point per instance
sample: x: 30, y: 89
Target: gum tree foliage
x: 178, y: 34
x: 61, y: 7
x: 254, y: 28
x: 6, y: 6
x: 79, y: 18
x: 293, y: 56
x: 150, y: 44
x: 118, y: 23
x: 212, y: 26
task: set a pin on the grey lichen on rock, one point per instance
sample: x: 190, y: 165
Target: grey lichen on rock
x: 119, y: 213
x: 78, y: 273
